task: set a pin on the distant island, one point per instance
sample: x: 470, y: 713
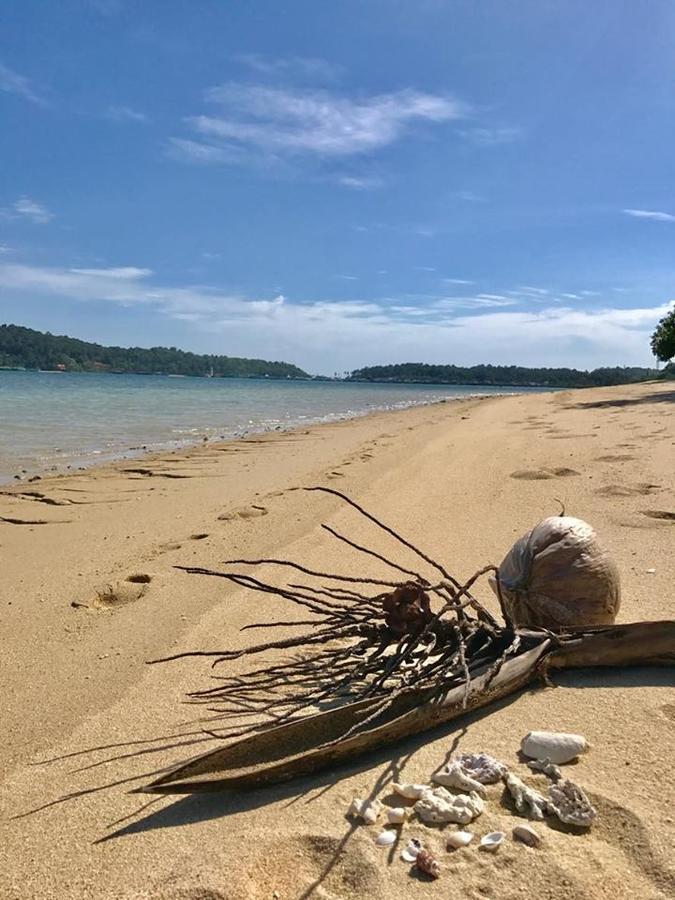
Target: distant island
x: 25, y: 348
x: 516, y: 376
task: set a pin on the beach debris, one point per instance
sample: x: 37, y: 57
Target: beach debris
x: 527, y: 801
x: 367, y: 810
x: 559, y: 575
x: 410, y: 791
x: 386, y: 838
x: 397, y: 815
x: 555, y: 746
x: 482, y: 767
x: 410, y: 851
x: 492, y: 841
x: 459, y: 839
x: 362, y: 673
x: 526, y: 835
x: 453, y: 775
x: 438, y: 806
x: 426, y: 862
x: 570, y: 804
x: 546, y: 767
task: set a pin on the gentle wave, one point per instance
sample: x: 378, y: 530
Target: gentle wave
x: 61, y: 421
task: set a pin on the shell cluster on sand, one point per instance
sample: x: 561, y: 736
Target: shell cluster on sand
x: 458, y: 796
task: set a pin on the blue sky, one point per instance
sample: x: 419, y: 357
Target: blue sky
x: 341, y: 184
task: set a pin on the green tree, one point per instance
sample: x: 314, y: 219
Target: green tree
x: 663, y: 339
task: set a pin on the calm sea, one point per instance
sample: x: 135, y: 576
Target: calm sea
x: 53, y: 421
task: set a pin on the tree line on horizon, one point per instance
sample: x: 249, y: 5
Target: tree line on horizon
x: 521, y: 376
x: 29, y: 349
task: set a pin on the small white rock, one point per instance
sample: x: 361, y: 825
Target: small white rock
x: 410, y: 791
x: 397, y: 815
x: 556, y: 746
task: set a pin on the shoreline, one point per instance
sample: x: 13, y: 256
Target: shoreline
x: 85, y: 463
x: 90, y: 591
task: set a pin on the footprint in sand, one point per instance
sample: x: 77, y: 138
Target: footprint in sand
x: 662, y: 514
x: 543, y: 474
x: 615, y: 457
x: 244, y: 512
x: 119, y: 593
x: 333, y: 475
x: 199, y: 536
x: 627, y: 490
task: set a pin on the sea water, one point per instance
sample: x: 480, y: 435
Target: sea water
x: 56, y: 421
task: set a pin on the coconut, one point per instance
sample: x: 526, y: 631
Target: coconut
x: 559, y: 575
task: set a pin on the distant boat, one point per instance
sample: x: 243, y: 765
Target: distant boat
x: 209, y: 374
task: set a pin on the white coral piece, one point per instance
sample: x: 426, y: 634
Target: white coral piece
x: 482, y: 767
x: 367, y: 810
x: 547, y: 767
x: 438, y: 806
x: 527, y: 801
x: 454, y: 776
x: 409, y: 791
x: 570, y: 804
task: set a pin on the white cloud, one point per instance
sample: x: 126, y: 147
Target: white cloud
x: 293, y: 122
x: 125, y: 114
x: 492, y: 137
x: 5, y: 248
x: 13, y: 83
x: 653, y: 214
x: 457, y: 281
x: 360, y: 183
x: 326, y: 334
x: 291, y: 66
x: 347, y: 277
x: 29, y: 209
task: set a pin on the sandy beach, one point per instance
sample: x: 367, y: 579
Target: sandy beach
x: 89, y: 592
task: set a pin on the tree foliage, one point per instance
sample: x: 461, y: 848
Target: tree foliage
x: 663, y: 339
x: 423, y: 373
x: 26, y: 348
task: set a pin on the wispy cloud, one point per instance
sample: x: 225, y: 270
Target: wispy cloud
x: 457, y: 281
x: 492, y: 137
x: 290, y: 66
x: 286, y: 122
x: 125, y: 114
x: 12, y: 82
x: 25, y: 208
x: 653, y: 214
x: 360, y: 183
x: 5, y: 248
x: 324, y: 334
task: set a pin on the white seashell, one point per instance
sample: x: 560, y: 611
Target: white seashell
x: 547, y: 767
x: 527, y: 801
x: 410, y: 851
x: 526, y: 835
x: 385, y: 838
x: 569, y: 803
x: 555, y: 746
x: 459, y: 839
x: 482, y: 767
x: 397, y: 815
x: 410, y: 791
x: 439, y: 806
x: 492, y: 841
x: 454, y: 776
x: 368, y: 810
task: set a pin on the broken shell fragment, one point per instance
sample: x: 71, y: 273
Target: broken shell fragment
x: 526, y: 835
x: 547, y: 767
x: 459, y: 839
x: 492, y: 841
x: 410, y: 791
x: 556, y: 746
x: 386, y: 838
x: 482, y: 767
x: 527, y: 801
x: 397, y: 815
x: 438, y: 806
x: 454, y: 776
x: 410, y: 851
x: 368, y: 810
x: 570, y: 804
x: 426, y: 862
